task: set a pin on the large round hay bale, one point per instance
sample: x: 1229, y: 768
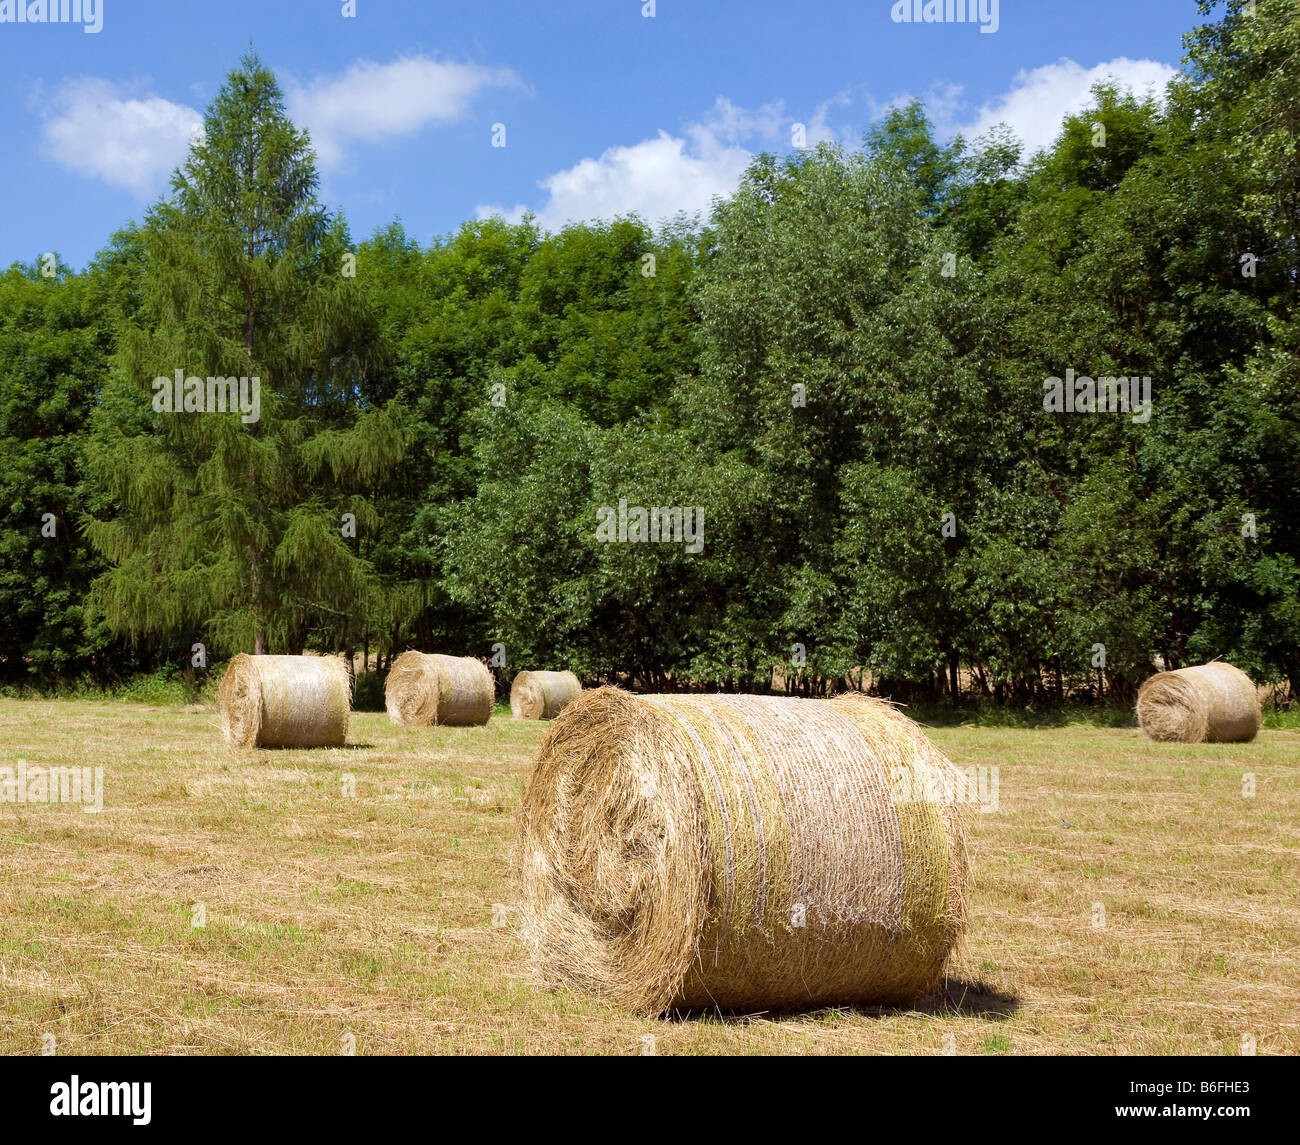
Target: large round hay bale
x: 542, y: 695
x: 740, y: 852
x: 1210, y: 703
x: 285, y: 701
x: 426, y: 688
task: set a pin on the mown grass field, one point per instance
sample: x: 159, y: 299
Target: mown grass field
x: 334, y: 920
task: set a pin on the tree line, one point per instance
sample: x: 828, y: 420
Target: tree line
x: 849, y: 377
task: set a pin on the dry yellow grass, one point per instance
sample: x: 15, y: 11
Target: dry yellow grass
x: 370, y: 916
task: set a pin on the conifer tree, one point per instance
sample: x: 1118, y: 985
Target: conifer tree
x: 236, y: 522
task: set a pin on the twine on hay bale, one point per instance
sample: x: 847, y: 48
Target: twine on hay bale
x: 1209, y: 703
x: 427, y: 688
x: 285, y: 701
x: 542, y: 695
x: 740, y: 852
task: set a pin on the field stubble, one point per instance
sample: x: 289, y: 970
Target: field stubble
x: 1128, y: 899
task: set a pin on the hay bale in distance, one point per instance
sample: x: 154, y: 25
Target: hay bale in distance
x: 1208, y: 703
x: 427, y: 688
x: 542, y: 695
x: 285, y: 701
x: 740, y: 852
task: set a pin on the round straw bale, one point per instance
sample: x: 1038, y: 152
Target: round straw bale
x: 740, y: 852
x: 285, y: 701
x: 1209, y: 703
x: 542, y: 695
x: 426, y: 688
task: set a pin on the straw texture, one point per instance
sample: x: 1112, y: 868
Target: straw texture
x: 542, y: 695
x: 285, y: 701
x: 740, y: 852
x: 432, y: 689
x: 1210, y: 703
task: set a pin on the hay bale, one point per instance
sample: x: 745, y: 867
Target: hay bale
x: 740, y: 852
x: 1209, y: 703
x: 285, y: 701
x: 426, y: 688
x: 542, y: 695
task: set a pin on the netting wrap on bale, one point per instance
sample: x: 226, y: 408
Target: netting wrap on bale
x: 285, y: 701
x: 740, y: 852
x: 542, y: 695
x: 426, y: 688
x: 1210, y: 703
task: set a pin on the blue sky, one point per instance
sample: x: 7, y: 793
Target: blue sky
x: 605, y: 110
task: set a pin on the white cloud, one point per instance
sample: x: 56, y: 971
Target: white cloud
x: 103, y: 131
x: 655, y: 178
x: 371, y: 102
x: 97, y: 130
x: 819, y: 131
x: 511, y: 214
x: 1039, y: 100
x: 659, y: 177
x: 733, y: 124
x: 944, y: 105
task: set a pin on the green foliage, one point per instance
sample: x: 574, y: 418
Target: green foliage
x: 166, y: 686
x: 905, y: 136
x: 232, y: 523
x: 55, y: 343
x: 843, y: 370
x: 368, y: 692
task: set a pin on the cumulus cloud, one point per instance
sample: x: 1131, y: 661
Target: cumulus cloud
x: 371, y: 102
x: 734, y: 124
x: 662, y: 176
x: 655, y: 178
x: 96, y: 129
x: 819, y: 130
x: 1039, y: 100
x: 102, y: 130
x: 659, y: 177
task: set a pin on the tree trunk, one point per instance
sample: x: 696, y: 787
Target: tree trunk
x: 250, y: 317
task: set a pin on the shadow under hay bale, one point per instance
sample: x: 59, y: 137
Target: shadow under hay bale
x: 679, y: 853
x: 542, y: 695
x: 952, y: 998
x: 285, y: 701
x: 427, y: 688
x: 1209, y: 703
